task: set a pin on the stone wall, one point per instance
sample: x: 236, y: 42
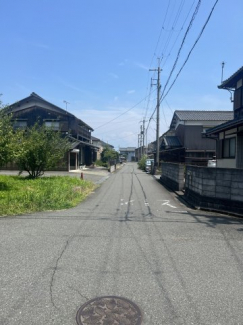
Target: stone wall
x: 173, y: 176
x: 216, y: 188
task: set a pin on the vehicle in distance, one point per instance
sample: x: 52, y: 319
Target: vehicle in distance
x: 212, y: 163
x: 148, y: 165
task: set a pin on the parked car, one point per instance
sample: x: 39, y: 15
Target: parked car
x: 148, y: 165
x: 212, y: 163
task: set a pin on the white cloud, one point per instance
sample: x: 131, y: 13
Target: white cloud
x: 142, y: 66
x: 129, y: 92
x: 123, y: 63
x: 121, y: 132
x: 113, y: 75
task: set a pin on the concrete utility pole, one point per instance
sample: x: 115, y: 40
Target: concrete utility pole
x: 139, y: 146
x: 142, y: 135
x: 158, y: 111
x: 141, y: 140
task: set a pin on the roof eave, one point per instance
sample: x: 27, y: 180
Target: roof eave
x: 230, y: 83
x: 224, y: 127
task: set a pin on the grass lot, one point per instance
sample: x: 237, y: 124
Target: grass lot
x: 19, y: 195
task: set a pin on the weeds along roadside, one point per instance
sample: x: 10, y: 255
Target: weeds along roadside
x: 20, y: 195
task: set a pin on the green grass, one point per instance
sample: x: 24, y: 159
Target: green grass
x: 19, y: 195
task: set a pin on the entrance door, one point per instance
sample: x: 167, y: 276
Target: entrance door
x: 73, y: 160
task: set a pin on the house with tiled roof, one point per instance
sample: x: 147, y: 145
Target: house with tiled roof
x: 229, y: 135
x: 32, y: 109
x: 101, y: 145
x: 184, y: 143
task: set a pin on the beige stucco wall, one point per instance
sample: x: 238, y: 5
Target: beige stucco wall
x: 226, y: 163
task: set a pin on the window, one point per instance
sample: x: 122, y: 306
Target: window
x: 52, y: 124
x: 229, y: 146
x: 20, y: 124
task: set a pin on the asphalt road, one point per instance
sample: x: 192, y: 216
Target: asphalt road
x: 131, y: 238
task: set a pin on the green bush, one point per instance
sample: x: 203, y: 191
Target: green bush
x: 142, y: 162
x: 101, y: 163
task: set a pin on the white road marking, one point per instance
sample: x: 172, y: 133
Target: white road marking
x: 167, y: 202
x: 131, y: 201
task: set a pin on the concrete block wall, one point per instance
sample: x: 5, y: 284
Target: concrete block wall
x: 217, y: 188
x: 173, y: 176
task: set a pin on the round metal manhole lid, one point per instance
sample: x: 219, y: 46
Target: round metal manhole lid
x: 109, y: 310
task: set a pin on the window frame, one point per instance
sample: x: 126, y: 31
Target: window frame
x: 52, y: 124
x: 228, y: 145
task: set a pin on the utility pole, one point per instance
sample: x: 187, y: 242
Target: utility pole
x: 139, y: 146
x: 142, y: 134
x: 158, y: 111
x: 141, y: 140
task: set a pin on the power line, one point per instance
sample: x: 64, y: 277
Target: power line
x: 172, y: 30
x: 182, y: 43
x: 162, y: 28
x: 173, y: 27
x: 171, y: 49
x: 163, y: 96
x: 189, y: 54
x: 190, y: 24
x: 122, y: 113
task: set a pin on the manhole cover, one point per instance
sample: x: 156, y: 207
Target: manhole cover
x: 109, y: 310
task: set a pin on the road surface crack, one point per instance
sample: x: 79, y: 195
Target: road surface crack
x: 54, y: 273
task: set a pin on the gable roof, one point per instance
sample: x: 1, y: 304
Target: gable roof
x: 103, y: 143
x: 231, y: 81
x: 34, y: 98
x: 193, y: 115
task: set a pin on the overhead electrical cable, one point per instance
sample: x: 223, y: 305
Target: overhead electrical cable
x: 182, y: 27
x: 162, y: 98
x: 162, y: 28
x: 123, y: 113
x: 189, y: 54
x: 181, y: 46
x: 173, y: 27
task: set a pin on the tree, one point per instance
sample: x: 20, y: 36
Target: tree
x: 8, y: 137
x: 108, y: 155
x: 42, y: 148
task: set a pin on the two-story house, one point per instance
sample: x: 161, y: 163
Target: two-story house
x: 101, y: 145
x: 26, y: 112
x: 229, y: 135
x: 183, y: 142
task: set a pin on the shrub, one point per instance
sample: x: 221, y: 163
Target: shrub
x: 101, y: 163
x: 142, y: 162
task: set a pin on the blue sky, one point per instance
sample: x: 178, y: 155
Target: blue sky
x: 96, y: 55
